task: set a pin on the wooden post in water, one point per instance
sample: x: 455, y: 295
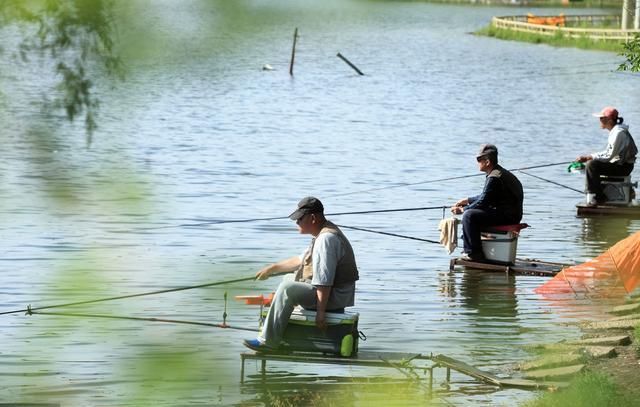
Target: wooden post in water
x: 355, y: 68
x: 293, y: 51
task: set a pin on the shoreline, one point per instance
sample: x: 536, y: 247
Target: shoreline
x: 608, y: 379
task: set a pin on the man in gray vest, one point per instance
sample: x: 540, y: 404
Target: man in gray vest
x: 324, y: 279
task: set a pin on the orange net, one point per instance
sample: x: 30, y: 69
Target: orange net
x: 614, y: 273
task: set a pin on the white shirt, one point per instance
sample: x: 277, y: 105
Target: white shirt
x: 617, y: 144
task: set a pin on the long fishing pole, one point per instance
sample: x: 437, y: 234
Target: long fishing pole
x: 552, y: 182
x: 220, y: 221
x: 120, y: 297
x: 152, y: 319
x: 223, y: 221
x: 407, y: 184
x: 388, y: 234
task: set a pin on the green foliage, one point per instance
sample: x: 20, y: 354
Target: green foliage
x: 631, y: 51
x: 589, y: 389
x: 74, y: 35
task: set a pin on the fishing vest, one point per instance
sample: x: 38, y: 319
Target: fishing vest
x: 346, y: 269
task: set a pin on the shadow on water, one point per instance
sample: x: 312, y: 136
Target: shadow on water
x: 489, y: 294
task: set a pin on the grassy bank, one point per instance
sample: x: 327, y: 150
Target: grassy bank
x: 558, y: 40
x: 589, y: 389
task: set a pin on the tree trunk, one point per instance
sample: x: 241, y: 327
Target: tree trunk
x: 625, y: 14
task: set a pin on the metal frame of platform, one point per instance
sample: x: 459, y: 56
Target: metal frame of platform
x: 531, y: 267
x: 611, y: 210
x: 396, y: 360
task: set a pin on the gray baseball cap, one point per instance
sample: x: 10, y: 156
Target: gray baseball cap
x: 305, y: 206
x: 487, y: 150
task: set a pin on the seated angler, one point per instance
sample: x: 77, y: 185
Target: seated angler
x: 324, y: 279
x: 500, y: 203
x: 617, y: 159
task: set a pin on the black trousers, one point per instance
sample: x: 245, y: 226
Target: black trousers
x: 475, y: 220
x: 597, y: 168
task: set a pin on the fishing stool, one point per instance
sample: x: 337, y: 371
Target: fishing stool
x: 617, y: 189
x: 499, y: 243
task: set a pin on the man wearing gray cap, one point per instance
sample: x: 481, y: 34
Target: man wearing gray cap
x: 324, y: 279
x: 500, y: 203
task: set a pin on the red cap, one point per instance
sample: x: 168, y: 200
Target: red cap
x: 608, y: 112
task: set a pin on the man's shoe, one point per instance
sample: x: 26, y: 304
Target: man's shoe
x: 472, y: 257
x: 465, y: 257
x: 257, y: 345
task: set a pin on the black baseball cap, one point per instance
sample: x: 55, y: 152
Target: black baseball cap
x: 305, y: 206
x: 487, y: 150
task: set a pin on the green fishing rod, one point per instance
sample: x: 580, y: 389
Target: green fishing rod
x: 30, y: 309
x: 144, y: 319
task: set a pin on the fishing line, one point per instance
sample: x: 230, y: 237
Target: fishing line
x: 169, y: 290
x: 221, y: 221
x: 552, y: 182
x: 388, y: 234
x: 171, y: 321
x: 224, y: 221
x: 406, y: 184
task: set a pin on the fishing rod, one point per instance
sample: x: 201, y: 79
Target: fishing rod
x: 387, y: 234
x: 224, y: 221
x: 407, y: 184
x: 30, y: 309
x: 220, y: 221
x: 148, y: 319
x: 552, y: 182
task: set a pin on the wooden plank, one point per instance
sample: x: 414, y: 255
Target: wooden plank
x: 628, y: 211
x: 626, y: 309
x: 530, y: 384
x: 554, y: 360
x: 379, y: 359
x: 620, y: 324
x: 590, y: 351
x: 466, y: 369
x: 604, y: 341
x: 397, y: 359
x: 521, y: 267
x: 635, y: 315
x: 598, y: 352
x: 555, y: 372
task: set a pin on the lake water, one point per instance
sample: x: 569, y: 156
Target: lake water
x: 199, y: 132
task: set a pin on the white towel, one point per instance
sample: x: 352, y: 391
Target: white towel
x: 449, y: 233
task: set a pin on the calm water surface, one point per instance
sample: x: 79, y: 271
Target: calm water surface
x: 199, y: 132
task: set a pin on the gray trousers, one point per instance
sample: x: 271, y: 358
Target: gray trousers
x: 289, y: 294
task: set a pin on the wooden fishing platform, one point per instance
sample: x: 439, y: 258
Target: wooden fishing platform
x: 397, y: 360
x: 608, y: 210
x: 530, y: 267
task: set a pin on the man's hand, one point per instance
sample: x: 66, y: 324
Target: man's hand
x: 264, y: 273
x: 462, y: 202
x: 457, y: 210
x: 583, y: 158
x: 321, y: 323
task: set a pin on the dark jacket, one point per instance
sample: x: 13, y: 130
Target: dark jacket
x: 503, y: 192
